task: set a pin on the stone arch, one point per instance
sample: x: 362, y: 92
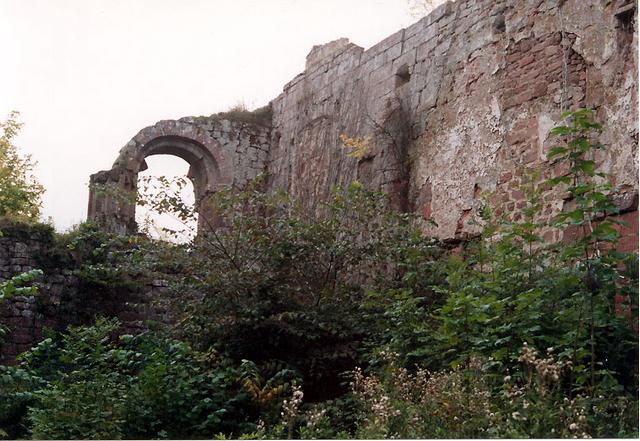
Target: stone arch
x: 111, y: 194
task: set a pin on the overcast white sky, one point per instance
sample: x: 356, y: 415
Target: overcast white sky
x: 87, y: 75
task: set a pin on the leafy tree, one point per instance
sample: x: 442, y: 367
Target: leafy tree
x: 270, y: 282
x: 20, y: 192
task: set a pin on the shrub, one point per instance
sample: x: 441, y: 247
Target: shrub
x: 88, y: 384
x: 509, y: 288
x: 273, y: 283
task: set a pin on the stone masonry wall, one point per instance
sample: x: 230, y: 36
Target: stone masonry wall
x: 19, y: 313
x: 245, y: 145
x: 466, y: 98
x: 62, y: 298
x: 221, y: 152
x: 455, y: 107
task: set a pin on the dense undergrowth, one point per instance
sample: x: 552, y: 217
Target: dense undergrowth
x: 352, y: 324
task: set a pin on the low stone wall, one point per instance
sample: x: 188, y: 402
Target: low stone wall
x: 62, y: 297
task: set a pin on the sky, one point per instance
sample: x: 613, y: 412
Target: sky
x: 87, y: 75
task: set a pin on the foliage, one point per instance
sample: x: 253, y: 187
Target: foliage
x: 260, y: 116
x: 14, y: 286
x: 270, y: 282
x: 20, y: 193
x: 360, y: 148
x: 509, y: 288
x: 400, y: 404
x: 91, y: 385
x: 99, y: 257
x: 470, y: 402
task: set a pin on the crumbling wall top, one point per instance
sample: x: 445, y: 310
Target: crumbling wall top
x: 320, y: 53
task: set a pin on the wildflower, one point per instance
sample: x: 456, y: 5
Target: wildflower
x: 314, y: 417
x: 573, y: 427
x: 290, y: 407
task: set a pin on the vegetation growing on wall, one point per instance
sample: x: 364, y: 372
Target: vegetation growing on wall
x: 353, y: 324
x: 260, y: 116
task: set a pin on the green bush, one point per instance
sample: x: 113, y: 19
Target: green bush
x: 89, y: 384
x: 273, y: 283
x: 510, y: 289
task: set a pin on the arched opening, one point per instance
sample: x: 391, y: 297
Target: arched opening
x: 166, y: 176
x: 112, y: 192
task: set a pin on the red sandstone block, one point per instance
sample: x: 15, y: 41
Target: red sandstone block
x: 553, y: 86
x: 629, y: 235
x: 129, y: 316
x: 512, y: 58
x: 426, y: 211
x: 525, y: 96
x: 628, y: 241
x: 526, y: 60
x: 505, y: 177
x: 560, y: 169
x: 9, y: 349
x: 509, y: 103
x: 516, y: 136
x: 22, y: 348
x: 525, y: 45
x: 537, y: 71
x: 551, y: 51
x: 22, y: 322
x: 554, y: 38
x: 553, y: 65
x: 530, y: 157
x: 518, y: 195
x: 539, y: 46
x: 21, y: 337
x: 539, y: 90
x: 622, y: 306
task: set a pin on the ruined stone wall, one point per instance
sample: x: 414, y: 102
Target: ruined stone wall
x: 244, y: 145
x: 458, y: 104
x: 221, y: 152
x: 62, y: 297
x: 455, y: 107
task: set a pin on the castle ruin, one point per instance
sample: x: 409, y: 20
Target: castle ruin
x: 456, y: 106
